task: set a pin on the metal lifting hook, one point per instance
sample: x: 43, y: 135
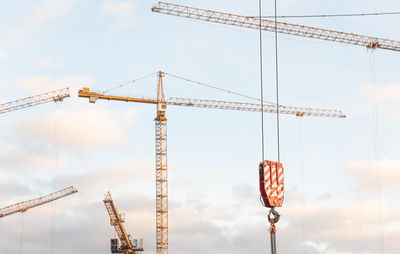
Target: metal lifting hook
x: 275, y: 214
x: 273, y: 217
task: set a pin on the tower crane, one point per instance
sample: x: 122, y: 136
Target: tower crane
x: 25, y: 205
x: 55, y: 96
x: 127, y: 245
x: 272, y: 26
x: 161, y: 138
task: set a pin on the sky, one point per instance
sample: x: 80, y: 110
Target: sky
x: 331, y: 201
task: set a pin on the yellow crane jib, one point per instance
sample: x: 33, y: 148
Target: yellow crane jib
x: 128, y: 245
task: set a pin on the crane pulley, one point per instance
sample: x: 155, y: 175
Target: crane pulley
x: 272, y: 191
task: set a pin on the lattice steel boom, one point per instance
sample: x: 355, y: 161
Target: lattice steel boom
x: 271, y: 26
x: 55, y: 96
x: 23, y: 206
x: 117, y: 222
x: 254, y: 107
x: 217, y: 104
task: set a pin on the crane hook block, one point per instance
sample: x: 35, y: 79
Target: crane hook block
x: 271, y: 183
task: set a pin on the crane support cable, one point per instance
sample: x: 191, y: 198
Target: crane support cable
x: 129, y: 83
x: 281, y: 27
x: 217, y: 88
x: 330, y: 15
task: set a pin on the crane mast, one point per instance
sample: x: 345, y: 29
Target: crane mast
x: 25, y: 205
x: 53, y: 96
x: 161, y: 171
x: 272, y: 26
x: 117, y: 222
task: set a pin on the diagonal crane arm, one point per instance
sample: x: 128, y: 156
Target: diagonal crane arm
x: 117, y: 222
x: 25, y: 205
x: 216, y: 104
x: 272, y: 26
x: 56, y: 96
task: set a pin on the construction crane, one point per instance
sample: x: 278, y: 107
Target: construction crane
x: 127, y: 244
x: 161, y: 138
x: 53, y: 96
x: 272, y: 26
x: 25, y: 205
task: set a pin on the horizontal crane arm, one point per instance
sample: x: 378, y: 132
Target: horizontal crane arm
x: 272, y: 26
x: 242, y: 106
x: 228, y: 105
x: 58, y: 95
x: 23, y: 206
x: 93, y: 96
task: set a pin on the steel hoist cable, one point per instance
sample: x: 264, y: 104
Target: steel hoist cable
x: 21, y: 246
x: 261, y: 83
x: 303, y: 184
x: 54, y: 181
x: 378, y: 176
x: 273, y: 216
x: 277, y: 84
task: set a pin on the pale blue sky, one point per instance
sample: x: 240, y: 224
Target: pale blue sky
x: 213, y: 155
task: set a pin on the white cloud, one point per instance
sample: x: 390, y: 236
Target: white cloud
x: 80, y: 130
x: 3, y: 53
x: 41, y: 84
x: 45, y: 63
x: 123, y: 11
x: 40, y: 17
x: 365, y: 173
x: 387, y: 98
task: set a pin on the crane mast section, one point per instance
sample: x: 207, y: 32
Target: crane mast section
x: 272, y: 26
x: 117, y: 222
x: 23, y: 206
x: 55, y: 96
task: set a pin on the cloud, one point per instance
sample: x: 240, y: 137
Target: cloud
x: 39, y: 17
x: 45, y: 63
x: 41, y: 84
x: 365, y: 174
x: 24, y: 159
x: 387, y: 97
x: 79, y: 130
x: 3, y: 53
x: 122, y: 11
